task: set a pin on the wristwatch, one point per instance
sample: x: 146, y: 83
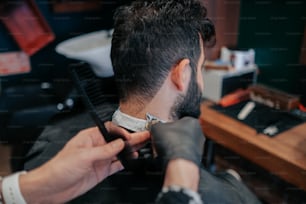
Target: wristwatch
x: 178, y: 194
x: 10, y: 189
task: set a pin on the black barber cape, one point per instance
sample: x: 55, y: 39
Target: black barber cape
x: 140, y: 186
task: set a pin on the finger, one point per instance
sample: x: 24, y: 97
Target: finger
x: 134, y: 155
x: 96, y: 137
x: 115, y: 158
x: 89, y: 137
x: 116, y: 130
x: 136, y: 147
x: 139, y: 138
x: 115, y: 167
x: 106, y: 151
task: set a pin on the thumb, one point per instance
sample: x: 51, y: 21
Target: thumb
x: 106, y: 151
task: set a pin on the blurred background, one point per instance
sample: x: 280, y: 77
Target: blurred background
x: 30, y: 96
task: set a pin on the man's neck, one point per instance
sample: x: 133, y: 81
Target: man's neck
x: 134, y: 111
x: 132, y: 123
x: 159, y: 105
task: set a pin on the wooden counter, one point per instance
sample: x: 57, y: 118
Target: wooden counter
x: 283, y: 155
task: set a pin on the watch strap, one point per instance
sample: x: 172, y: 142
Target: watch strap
x: 11, y: 189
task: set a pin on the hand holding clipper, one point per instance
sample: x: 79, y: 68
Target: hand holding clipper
x: 181, y: 139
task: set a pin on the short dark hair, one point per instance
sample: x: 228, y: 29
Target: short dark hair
x: 152, y: 36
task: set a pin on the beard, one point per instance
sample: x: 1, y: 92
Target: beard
x: 189, y: 104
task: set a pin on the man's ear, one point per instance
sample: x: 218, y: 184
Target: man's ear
x: 180, y: 74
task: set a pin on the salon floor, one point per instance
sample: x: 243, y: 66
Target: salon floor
x: 267, y: 187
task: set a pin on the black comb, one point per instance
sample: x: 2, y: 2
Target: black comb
x: 93, y: 95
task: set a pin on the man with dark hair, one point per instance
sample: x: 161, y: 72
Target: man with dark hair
x: 153, y: 39
x: 157, y: 55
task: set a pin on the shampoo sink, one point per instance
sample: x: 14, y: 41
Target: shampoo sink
x: 93, y: 48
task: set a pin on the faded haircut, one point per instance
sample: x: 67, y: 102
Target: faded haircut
x: 150, y: 37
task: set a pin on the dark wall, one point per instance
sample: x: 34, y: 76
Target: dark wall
x: 275, y: 29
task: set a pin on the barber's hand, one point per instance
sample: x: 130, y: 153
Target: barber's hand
x: 180, y: 145
x: 84, y: 162
x: 180, y: 139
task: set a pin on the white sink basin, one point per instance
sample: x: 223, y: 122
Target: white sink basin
x: 93, y: 48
